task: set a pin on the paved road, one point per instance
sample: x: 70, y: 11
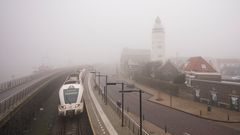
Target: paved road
x: 176, y: 121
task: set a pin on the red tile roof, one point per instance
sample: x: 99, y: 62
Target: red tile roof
x: 198, y: 64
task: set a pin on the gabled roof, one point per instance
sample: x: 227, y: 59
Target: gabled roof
x: 167, y: 71
x: 168, y: 63
x: 198, y: 64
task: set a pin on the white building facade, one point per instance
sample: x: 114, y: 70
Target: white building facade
x: 158, y: 42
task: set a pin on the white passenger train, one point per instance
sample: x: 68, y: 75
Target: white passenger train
x: 71, y: 95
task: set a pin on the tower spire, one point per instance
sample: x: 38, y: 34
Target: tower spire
x: 158, y: 41
x: 157, y: 20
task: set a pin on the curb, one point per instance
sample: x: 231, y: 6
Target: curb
x: 194, y: 114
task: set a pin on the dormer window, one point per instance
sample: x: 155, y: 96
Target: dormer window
x: 203, y: 66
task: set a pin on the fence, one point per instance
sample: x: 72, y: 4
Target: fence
x: 128, y: 121
x: 15, y: 82
x: 8, y: 104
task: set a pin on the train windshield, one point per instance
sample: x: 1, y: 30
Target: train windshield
x: 70, y: 95
x: 72, y: 82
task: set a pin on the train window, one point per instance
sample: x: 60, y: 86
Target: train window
x: 72, y: 82
x: 73, y: 78
x: 70, y: 95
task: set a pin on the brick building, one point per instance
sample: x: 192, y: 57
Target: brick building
x: 217, y: 93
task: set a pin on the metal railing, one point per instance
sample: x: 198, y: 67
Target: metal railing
x: 10, y: 103
x: 128, y: 121
x: 15, y: 82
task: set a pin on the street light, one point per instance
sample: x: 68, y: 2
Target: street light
x: 95, y: 72
x: 105, y: 90
x: 122, y: 99
x: 140, y: 104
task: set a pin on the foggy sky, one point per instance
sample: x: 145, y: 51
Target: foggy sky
x: 59, y: 32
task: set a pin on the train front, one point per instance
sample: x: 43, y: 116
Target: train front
x: 71, y: 100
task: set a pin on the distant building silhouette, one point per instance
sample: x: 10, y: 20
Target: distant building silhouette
x: 132, y: 59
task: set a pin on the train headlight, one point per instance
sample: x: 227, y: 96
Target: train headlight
x: 77, y: 105
x: 63, y: 107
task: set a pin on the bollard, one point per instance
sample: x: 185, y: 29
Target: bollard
x: 209, y: 108
x: 200, y: 113
x: 165, y: 129
x: 228, y: 116
x: 133, y: 128
x: 128, y: 123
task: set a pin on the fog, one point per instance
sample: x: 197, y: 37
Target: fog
x: 62, y: 32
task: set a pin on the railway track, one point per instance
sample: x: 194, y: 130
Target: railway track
x: 70, y: 126
x: 76, y: 125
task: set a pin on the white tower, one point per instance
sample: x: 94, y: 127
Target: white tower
x: 158, y: 42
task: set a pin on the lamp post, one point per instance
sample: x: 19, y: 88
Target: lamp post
x: 122, y: 99
x: 170, y: 100
x: 95, y: 72
x: 105, y: 90
x: 140, y: 104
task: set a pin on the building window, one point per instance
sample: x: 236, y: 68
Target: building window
x: 235, y: 102
x: 214, y: 97
x: 203, y: 66
x: 186, y: 64
x: 197, y: 93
